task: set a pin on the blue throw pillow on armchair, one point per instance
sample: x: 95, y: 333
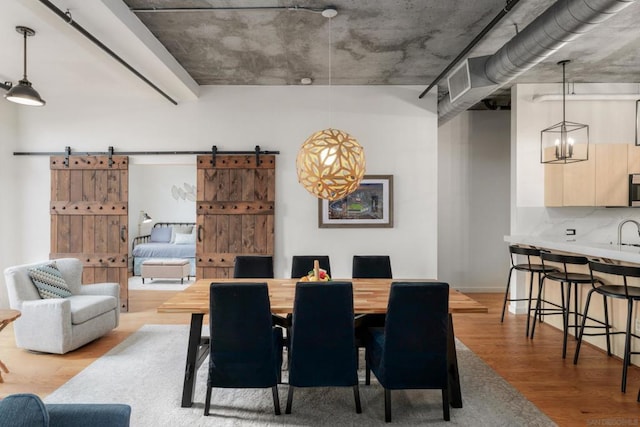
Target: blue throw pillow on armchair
x: 160, y: 235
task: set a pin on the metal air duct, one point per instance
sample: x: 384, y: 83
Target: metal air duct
x: 562, y: 22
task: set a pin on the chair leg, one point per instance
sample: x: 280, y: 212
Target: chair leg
x: 367, y: 371
x: 207, y: 401
x: 627, y: 346
x: 506, y: 293
x: 289, y: 400
x: 538, y: 308
x: 387, y: 405
x: 529, y: 303
x: 356, y: 396
x: 445, y: 404
x: 584, y: 321
x: 565, y: 309
x: 606, y: 324
x: 276, y: 399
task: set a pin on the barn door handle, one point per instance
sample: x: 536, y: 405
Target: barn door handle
x: 199, y: 233
x: 123, y: 232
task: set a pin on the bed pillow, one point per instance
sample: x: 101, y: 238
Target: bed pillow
x: 184, y: 229
x: 160, y: 235
x: 185, y: 239
x: 49, y: 281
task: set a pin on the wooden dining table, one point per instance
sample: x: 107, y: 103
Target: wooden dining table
x: 370, y: 296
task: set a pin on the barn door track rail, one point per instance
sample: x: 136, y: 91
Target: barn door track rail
x: 67, y: 153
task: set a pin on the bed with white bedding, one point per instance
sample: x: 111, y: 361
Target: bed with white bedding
x: 166, y: 240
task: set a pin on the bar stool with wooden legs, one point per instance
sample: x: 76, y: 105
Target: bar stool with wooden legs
x: 529, y: 267
x: 572, y: 280
x: 624, y: 291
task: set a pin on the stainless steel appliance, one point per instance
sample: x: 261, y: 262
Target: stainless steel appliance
x: 634, y: 190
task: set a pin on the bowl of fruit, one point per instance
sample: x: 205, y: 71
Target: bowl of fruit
x: 322, y: 276
x: 317, y: 274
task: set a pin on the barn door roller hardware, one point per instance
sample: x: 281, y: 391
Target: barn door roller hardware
x: 111, y: 152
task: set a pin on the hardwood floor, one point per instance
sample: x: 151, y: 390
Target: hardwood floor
x: 586, y: 394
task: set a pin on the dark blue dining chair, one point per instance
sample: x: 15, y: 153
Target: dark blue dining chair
x: 322, y: 351
x: 371, y: 267
x: 245, y: 349
x: 302, y: 264
x: 410, y: 352
x: 253, y: 267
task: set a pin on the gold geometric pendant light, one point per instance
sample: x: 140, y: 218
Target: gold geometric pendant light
x: 330, y: 164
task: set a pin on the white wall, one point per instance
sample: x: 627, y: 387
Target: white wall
x: 398, y: 132
x: 10, y: 193
x: 609, y: 122
x: 473, y: 200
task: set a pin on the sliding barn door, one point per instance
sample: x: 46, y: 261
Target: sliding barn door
x: 89, y: 210
x: 235, y: 207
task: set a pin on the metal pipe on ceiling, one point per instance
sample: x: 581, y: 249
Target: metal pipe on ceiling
x: 65, y: 16
x: 219, y: 8
x: 510, y: 4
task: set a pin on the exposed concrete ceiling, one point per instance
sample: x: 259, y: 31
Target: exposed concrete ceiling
x: 373, y: 42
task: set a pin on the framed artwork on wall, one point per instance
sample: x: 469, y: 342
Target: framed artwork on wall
x: 370, y: 206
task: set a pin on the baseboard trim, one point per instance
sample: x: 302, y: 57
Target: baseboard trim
x: 479, y: 290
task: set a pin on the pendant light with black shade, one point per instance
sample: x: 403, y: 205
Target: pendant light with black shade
x: 24, y: 93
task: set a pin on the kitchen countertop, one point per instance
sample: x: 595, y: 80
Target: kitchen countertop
x: 623, y: 253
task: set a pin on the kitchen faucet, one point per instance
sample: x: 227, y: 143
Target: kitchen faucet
x: 622, y: 223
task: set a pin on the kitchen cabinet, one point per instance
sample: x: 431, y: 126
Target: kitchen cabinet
x: 612, y: 176
x: 553, y: 184
x: 633, y: 161
x: 579, y: 181
x: 603, y: 180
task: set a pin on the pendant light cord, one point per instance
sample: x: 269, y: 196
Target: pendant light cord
x: 564, y: 93
x: 330, y: 71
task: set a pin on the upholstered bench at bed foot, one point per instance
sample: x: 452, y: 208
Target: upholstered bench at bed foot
x: 168, y: 268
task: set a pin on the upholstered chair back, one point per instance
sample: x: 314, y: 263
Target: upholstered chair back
x: 415, y: 346
x: 245, y: 350
x: 253, y: 267
x: 371, y: 267
x: 323, y: 351
x: 302, y: 264
x: 20, y: 288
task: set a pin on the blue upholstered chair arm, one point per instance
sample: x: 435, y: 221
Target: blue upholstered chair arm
x: 89, y: 414
x: 19, y: 410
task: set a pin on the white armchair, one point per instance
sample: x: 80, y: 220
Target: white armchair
x: 60, y: 325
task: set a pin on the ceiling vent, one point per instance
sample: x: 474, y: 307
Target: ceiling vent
x: 459, y: 81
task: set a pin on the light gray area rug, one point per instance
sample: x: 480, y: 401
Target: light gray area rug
x: 146, y: 372
x: 135, y: 283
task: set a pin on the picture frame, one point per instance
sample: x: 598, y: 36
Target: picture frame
x: 370, y: 206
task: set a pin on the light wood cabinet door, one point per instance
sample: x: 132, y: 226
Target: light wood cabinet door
x: 579, y: 181
x: 612, y: 178
x: 633, y: 159
x: 553, y: 184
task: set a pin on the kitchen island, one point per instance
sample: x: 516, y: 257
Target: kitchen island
x: 609, y: 251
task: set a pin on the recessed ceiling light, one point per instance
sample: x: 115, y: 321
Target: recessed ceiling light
x: 330, y: 12
x: 306, y: 80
